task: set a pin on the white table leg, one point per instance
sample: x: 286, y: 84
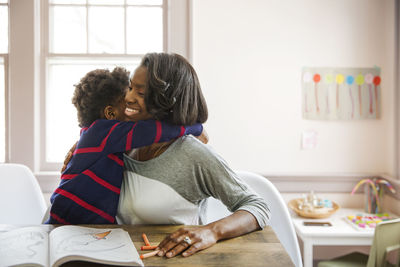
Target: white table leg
x: 307, y: 253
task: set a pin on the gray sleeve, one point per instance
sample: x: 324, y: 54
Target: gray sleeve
x: 218, y: 180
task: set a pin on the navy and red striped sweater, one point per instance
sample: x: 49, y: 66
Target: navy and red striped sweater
x: 90, y: 186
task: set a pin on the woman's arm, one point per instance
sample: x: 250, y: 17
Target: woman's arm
x: 239, y: 223
x: 204, y: 174
x: 215, y: 178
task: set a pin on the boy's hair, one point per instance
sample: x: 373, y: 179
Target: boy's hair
x: 173, y: 94
x: 96, y: 90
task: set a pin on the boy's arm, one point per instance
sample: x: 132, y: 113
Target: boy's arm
x: 124, y: 136
x: 128, y: 135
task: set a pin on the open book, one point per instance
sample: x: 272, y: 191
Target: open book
x: 36, y: 246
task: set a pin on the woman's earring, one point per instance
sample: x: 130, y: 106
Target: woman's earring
x: 173, y: 102
x: 166, y: 87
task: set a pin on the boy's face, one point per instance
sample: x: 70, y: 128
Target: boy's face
x: 119, y: 110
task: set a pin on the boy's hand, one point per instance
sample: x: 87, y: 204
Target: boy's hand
x: 68, y: 157
x: 203, y: 137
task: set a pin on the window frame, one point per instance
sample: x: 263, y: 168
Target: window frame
x: 27, y: 55
x: 397, y: 92
x: 5, y: 114
x: 47, y: 56
x: 45, y: 29
x: 4, y: 57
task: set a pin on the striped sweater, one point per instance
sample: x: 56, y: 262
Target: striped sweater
x: 90, y: 186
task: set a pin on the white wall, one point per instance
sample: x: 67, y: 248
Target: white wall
x: 249, y: 55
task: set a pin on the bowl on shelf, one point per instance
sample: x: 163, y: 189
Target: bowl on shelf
x: 318, y: 212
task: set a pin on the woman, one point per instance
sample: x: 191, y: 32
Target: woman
x: 169, y: 183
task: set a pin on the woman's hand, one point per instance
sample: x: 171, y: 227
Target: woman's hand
x: 200, y: 237
x: 203, y: 137
x: 68, y: 157
x: 238, y: 223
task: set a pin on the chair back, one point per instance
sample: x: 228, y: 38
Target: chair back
x: 387, y: 234
x: 280, y: 220
x: 21, y: 200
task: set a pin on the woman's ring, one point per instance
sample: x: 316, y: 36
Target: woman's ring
x: 187, y: 240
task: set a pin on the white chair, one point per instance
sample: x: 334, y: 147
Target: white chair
x: 280, y: 221
x: 21, y: 200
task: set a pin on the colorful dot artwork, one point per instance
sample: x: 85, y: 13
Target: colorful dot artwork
x: 341, y: 93
x: 328, y: 80
x: 367, y: 221
x: 368, y: 78
x: 349, y: 81
x: 316, y: 80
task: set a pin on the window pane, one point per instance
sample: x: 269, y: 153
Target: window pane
x: 61, y: 125
x: 62, y: 129
x: 144, y: 30
x: 2, y: 113
x: 3, y: 1
x: 106, y: 35
x: 67, y: 29
x: 3, y: 29
x: 144, y: 2
x: 106, y: 2
x: 68, y: 1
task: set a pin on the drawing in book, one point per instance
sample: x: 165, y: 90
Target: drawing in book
x: 86, y: 242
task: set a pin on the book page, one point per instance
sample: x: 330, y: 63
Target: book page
x: 7, y: 227
x: 112, y: 246
x: 28, y: 245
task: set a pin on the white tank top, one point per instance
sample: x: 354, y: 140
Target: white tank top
x: 148, y: 201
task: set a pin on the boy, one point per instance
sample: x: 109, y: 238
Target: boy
x: 90, y: 185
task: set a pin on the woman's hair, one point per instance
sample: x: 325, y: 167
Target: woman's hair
x: 98, y: 89
x: 173, y: 94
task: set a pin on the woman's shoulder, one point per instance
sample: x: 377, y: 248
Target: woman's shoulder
x: 190, y: 143
x: 191, y: 147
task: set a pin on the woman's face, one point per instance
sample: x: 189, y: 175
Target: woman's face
x: 135, y: 107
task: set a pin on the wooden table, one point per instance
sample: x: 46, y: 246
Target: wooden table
x: 260, y: 248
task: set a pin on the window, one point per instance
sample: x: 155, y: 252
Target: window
x: 53, y: 51
x: 3, y: 65
x: 83, y: 35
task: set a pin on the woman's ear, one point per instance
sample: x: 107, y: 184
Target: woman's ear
x: 109, y: 113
